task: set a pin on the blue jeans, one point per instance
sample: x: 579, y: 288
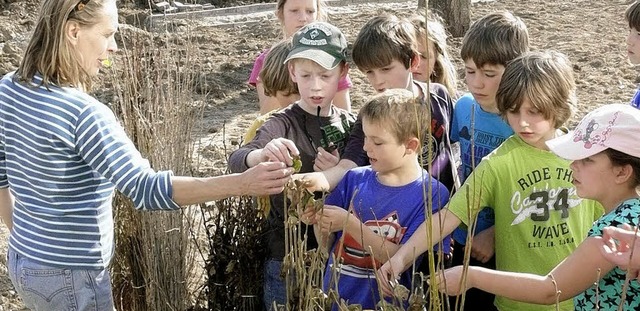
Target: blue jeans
x: 275, y: 289
x: 43, y: 287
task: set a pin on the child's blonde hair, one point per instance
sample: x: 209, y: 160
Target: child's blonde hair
x: 320, y: 9
x: 49, y: 53
x: 383, y: 39
x: 543, y: 78
x: 495, y: 39
x: 632, y: 15
x: 433, y: 30
x: 274, y: 74
x: 401, y: 112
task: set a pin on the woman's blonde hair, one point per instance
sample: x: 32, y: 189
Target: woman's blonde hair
x: 49, y: 53
x: 432, y: 29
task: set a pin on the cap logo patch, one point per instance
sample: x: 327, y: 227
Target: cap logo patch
x: 590, y: 137
x: 314, y: 34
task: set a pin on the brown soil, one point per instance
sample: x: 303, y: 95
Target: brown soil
x: 591, y: 32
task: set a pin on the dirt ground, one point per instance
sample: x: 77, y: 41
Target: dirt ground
x: 591, y: 32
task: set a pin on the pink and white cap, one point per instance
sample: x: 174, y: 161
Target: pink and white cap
x: 614, y: 126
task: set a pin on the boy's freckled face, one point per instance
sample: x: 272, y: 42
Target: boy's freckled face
x: 393, y: 76
x: 633, y: 46
x: 483, y: 83
x: 317, y: 86
x: 530, y: 124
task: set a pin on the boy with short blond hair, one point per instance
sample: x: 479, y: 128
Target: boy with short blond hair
x: 316, y: 63
x: 375, y: 209
x: 540, y: 219
x: 490, y: 43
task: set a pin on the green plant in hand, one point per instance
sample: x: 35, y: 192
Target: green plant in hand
x: 297, y: 164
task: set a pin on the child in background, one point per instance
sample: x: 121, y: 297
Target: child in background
x: 490, y: 43
x: 317, y: 62
x: 539, y: 218
x: 632, y: 15
x: 606, y: 168
x: 435, y: 64
x: 293, y: 15
x: 276, y: 83
x: 374, y: 209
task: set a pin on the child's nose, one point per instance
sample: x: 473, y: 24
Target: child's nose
x: 316, y: 84
x: 475, y: 82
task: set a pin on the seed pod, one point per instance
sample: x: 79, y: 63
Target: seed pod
x: 297, y: 164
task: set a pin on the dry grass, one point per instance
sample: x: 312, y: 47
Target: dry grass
x: 153, y: 97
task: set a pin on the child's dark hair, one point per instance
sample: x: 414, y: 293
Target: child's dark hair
x: 495, y: 39
x: 274, y: 74
x: 383, y: 39
x: 621, y: 159
x: 543, y: 78
x: 632, y: 15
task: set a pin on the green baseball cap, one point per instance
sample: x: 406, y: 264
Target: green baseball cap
x: 320, y: 42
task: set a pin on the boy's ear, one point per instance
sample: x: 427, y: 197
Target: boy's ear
x: 292, y: 74
x: 413, y: 144
x: 415, y: 63
x: 345, y: 70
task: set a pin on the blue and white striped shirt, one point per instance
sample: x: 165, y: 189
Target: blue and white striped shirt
x: 62, y: 152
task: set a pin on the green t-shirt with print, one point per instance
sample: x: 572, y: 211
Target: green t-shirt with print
x: 540, y: 219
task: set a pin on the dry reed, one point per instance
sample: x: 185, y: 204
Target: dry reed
x: 153, y: 81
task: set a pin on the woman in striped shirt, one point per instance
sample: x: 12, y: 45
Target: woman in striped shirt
x: 62, y: 154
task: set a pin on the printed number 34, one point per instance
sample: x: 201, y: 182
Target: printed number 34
x: 542, y: 199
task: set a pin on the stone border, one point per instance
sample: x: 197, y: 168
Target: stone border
x: 155, y: 18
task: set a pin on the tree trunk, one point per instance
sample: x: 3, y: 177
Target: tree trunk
x: 454, y: 12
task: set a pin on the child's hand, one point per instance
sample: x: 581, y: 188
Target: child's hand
x: 388, y: 275
x: 332, y: 219
x: 450, y: 281
x: 308, y: 216
x: 482, y: 247
x: 280, y: 150
x: 618, y: 244
x: 325, y: 160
